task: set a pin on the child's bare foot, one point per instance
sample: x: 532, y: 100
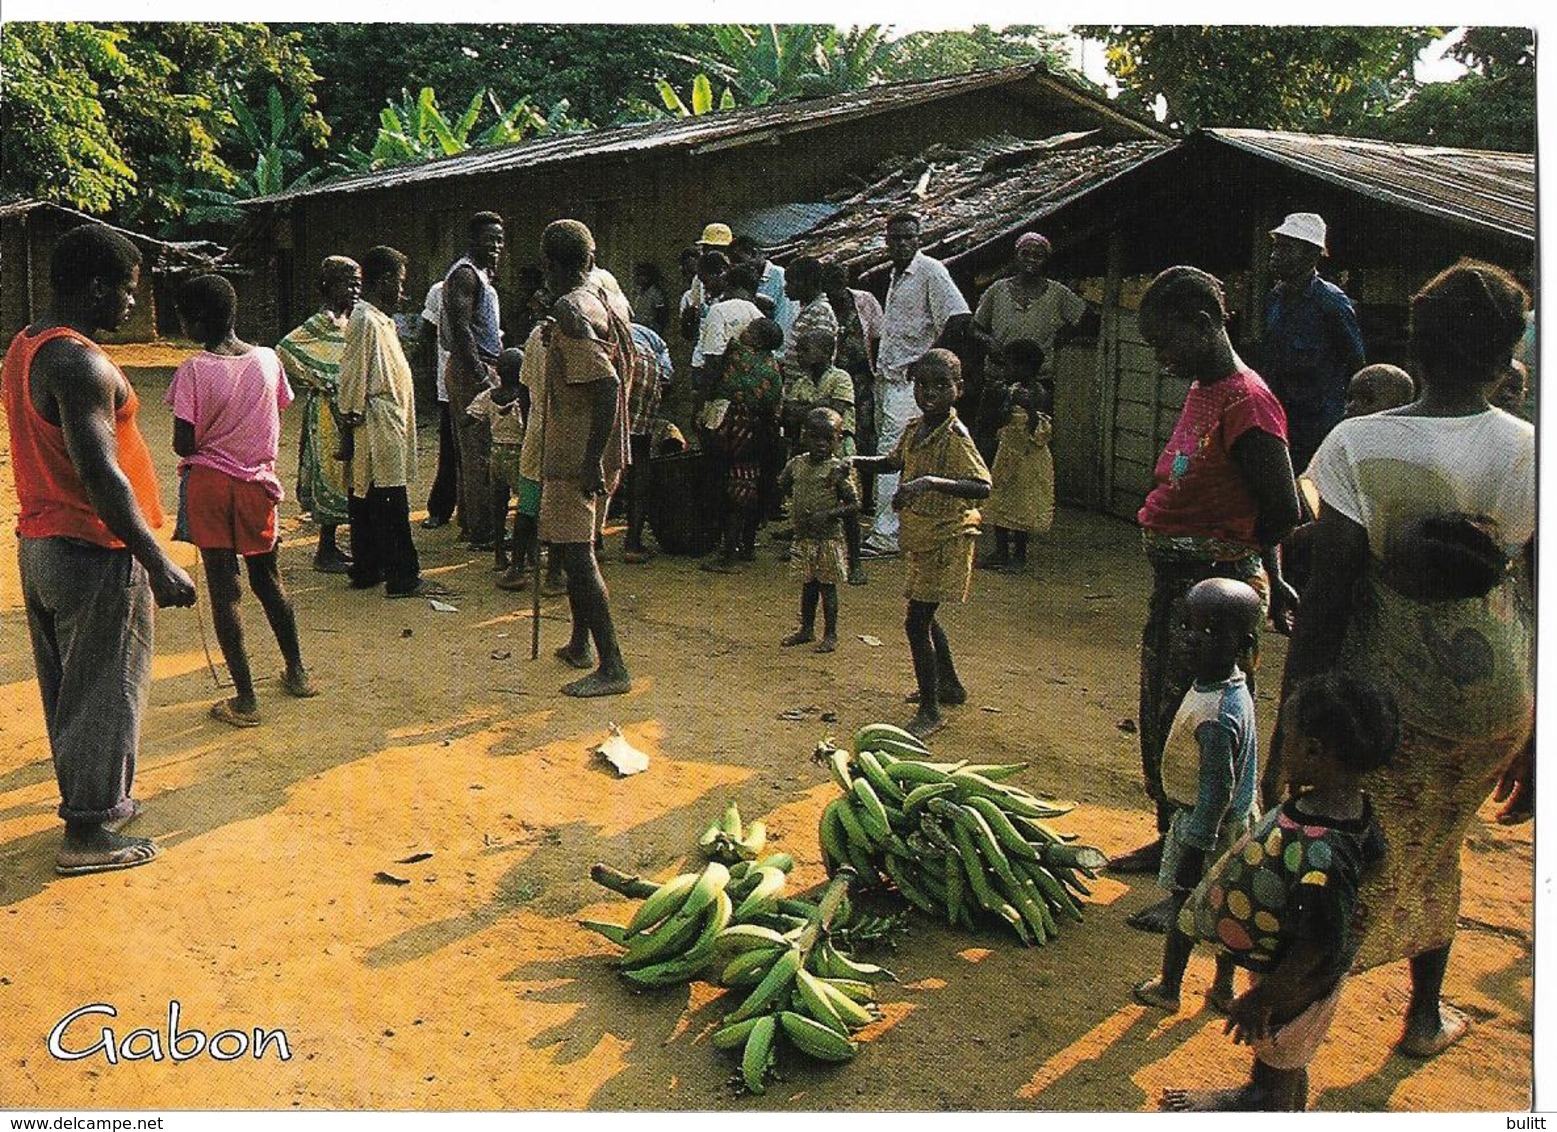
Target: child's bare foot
x: 1221, y: 999
x: 576, y: 658
x: 1154, y: 993
x: 1420, y: 1042
x: 1154, y: 917
x: 828, y: 643
x: 922, y: 726
x: 600, y: 684
x: 1246, y: 1098
x: 799, y: 637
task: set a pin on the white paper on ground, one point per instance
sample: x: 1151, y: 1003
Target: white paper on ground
x: 621, y: 754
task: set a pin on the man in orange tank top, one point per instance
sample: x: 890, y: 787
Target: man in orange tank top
x: 91, y: 568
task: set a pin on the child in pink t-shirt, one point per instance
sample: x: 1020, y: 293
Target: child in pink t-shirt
x: 227, y: 404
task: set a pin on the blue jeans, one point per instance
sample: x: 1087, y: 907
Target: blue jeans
x: 89, y: 612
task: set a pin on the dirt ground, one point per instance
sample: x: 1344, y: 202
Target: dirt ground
x: 472, y: 987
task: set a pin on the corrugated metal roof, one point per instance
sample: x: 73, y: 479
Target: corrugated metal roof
x: 781, y: 223
x: 1476, y: 187
x: 967, y: 196
x: 715, y: 131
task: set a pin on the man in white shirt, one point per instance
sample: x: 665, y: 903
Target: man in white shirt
x: 770, y: 284
x: 924, y: 309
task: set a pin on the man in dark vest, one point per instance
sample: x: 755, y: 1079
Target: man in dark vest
x: 471, y: 332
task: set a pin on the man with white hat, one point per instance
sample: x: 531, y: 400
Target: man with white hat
x: 1312, y: 343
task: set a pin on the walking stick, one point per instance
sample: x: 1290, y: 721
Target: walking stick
x: 206, y: 645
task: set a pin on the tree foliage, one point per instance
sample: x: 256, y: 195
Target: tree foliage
x: 1322, y: 79
x: 128, y: 117
x: 597, y: 68
x: 271, y: 141
x: 765, y: 63
x: 55, y: 139
x: 416, y: 129
x: 1491, y: 106
x: 929, y: 54
x: 699, y: 100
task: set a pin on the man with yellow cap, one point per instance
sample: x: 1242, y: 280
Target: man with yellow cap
x: 695, y: 302
x: 1312, y: 343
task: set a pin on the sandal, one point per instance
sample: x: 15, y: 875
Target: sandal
x: 132, y: 852
x: 224, y: 711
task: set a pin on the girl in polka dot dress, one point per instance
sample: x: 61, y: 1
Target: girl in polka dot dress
x: 1282, y: 901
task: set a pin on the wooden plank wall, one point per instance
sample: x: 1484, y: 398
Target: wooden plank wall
x: 1139, y: 415
x: 1075, y: 444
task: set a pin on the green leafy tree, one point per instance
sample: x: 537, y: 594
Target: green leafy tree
x: 272, y: 143
x: 595, y: 68
x: 930, y: 54
x: 764, y: 63
x: 1491, y: 106
x: 416, y: 129
x: 849, y: 60
x: 125, y: 118
x: 56, y: 142
x: 1324, y: 79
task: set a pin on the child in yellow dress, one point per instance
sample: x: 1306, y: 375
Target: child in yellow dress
x: 1021, y: 502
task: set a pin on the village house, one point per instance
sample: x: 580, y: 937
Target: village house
x: 646, y: 190
x: 1118, y: 212
x: 28, y: 230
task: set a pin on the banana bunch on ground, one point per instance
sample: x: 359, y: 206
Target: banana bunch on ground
x: 796, y: 988
x: 795, y: 984
x: 673, y: 934
x: 954, y: 839
x: 727, y: 840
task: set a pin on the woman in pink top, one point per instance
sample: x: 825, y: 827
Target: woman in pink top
x: 227, y: 404
x: 1224, y: 497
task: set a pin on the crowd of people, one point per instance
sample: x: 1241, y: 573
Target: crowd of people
x: 1408, y: 526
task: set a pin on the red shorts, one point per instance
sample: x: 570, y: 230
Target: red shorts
x: 221, y: 513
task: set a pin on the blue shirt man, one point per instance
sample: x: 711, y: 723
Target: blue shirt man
x: 1312, y: 344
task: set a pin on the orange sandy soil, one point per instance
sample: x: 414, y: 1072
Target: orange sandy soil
x: 472, y: 988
